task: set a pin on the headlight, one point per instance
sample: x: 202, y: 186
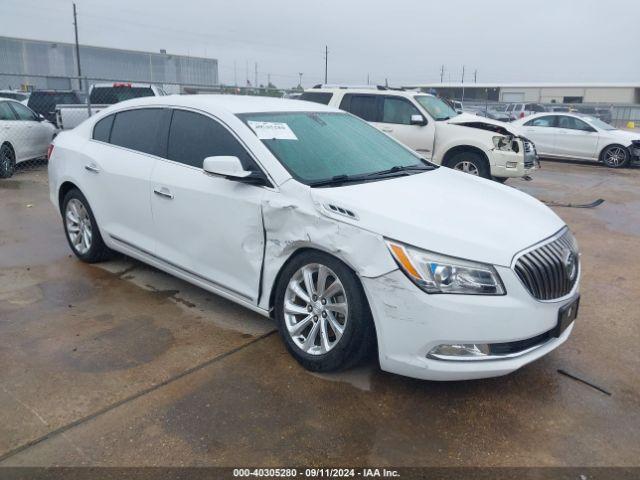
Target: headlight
x: 508, y: 144
x: 436, y: 273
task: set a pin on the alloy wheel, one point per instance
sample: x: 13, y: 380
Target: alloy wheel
x: 78, y: 225
x: 467, y: 167
x: 615, y: 156
x: 315, y: 309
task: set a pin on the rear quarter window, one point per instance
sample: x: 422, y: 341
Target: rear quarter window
x: 102, y: 129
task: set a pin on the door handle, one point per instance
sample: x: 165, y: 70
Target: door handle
x: 163, y: 192
x: 92, y: 168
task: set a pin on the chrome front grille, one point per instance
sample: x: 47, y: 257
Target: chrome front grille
x: 551, y: 270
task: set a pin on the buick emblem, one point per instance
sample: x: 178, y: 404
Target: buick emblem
x: 570, y: 262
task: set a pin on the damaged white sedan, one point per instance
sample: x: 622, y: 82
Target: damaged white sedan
x: 348, y: 239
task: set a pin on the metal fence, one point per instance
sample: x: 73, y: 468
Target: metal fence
x: 30, y: 118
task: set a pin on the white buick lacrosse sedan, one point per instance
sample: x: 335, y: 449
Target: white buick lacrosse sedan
x: 348, y: 239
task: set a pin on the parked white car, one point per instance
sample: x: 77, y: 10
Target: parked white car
x: 476, y: 145
x: 309, y: 215
x: 24, y: 135
x: 581, y: 137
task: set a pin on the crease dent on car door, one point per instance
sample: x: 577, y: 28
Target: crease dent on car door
x: 207, y: 226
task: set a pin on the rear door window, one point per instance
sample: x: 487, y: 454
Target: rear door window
x: 194, y: 137
x: 5, y: 112
x: 367, y: 107
x: 318, y: 97
x: 23, y: 113
x: 139, y: 130
x: 546, y: 121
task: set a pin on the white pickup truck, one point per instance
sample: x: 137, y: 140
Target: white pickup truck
x: 102, y: 95
x: 476, y: 145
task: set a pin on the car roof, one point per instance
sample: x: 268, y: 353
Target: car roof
x: 231, y: 103
x: 368, y: 91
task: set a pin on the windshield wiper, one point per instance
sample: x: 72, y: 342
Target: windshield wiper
x: 401, y: 168
x: 338, y: 180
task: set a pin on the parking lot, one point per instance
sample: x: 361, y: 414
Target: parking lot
x: 120, y: 364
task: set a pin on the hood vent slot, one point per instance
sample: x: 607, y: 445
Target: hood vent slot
x: 340, y: 211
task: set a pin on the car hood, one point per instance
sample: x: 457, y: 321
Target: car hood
x: 476, y: 121
x: 624, y: 135
x: 444, y: 211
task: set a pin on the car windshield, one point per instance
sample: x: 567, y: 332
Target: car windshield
x: 318, y: 147
x: 596, y: 122
x: 438, y: 109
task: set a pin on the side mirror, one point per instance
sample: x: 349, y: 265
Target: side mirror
x: 418, y: 120
x: 41, y: 118
x: 230, y: 168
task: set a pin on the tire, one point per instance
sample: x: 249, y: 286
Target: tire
x: 338, y: 350
x: 615, y: 156
x: 7, y: 161
x: 470, y: 162
x: 81, y: 229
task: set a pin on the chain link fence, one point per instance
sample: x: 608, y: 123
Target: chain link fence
x: 31, y: 117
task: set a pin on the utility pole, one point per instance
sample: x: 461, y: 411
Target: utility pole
x: 326, y: 62
x: 256, y: 76
x: 462, y: 73
x: 441, y: 73
x: 300, y: 81
x: 475, y: 76
x: 75, y: 28
x: 235, y: 74
x: 268, y: 80
x: 246, y: 64
x: 368, y: 79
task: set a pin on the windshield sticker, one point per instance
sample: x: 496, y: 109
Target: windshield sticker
x: 272, y: 131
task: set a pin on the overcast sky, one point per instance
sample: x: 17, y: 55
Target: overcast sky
x: 405, y: 41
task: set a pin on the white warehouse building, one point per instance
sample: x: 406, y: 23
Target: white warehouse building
x: 608, y: 93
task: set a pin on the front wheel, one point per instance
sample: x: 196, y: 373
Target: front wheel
x: 615, y: 156
x: 7, y: 161
x: 81, y: 228
x: 471, y: 163
x: 322, y: 313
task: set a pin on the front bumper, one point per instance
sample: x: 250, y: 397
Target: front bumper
x: 410, y: 323
x: 508, y: 164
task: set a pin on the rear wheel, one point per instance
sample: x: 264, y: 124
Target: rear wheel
x: 615, y: 156
x: 322, y: 313
x: 81, y: 228
x: 7, y: 161
x: 469, y: 162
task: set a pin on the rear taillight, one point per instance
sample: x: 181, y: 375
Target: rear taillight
x: 49, y: 151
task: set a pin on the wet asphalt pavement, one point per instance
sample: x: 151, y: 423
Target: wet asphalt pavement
x: 121, y: 365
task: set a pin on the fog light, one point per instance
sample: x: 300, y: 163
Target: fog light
x: 512, y: 164
x: 460, y: 351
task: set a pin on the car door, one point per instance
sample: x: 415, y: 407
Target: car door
x: 396, y: 121
x: 575, y: 138
x: 11, y: 130
x: 116, y: 171
x: 542, y: 131
x: 28, y: 131
x: 207, y: 226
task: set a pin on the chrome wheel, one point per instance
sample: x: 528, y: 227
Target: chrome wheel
x: 615, y: 156
x: 315, y: 309
x: 78, y: 225
x: 467, y: 167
